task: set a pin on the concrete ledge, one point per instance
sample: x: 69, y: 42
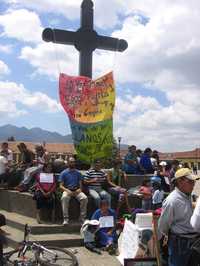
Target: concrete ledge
x: 23, y: 203
x: 135, y: 180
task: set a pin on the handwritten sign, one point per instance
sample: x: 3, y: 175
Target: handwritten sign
x: 46, y: 178
x: 85, y: 100
x: 129, y: 242
x: 106, y: 221
x: 89, y: 105
x: 93, y: 141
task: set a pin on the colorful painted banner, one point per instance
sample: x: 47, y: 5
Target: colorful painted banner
x: 89, y: 105
x: 93, y: 141
x: 85, y: 100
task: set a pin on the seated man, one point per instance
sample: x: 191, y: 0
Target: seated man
x: 131, y: 165
x: 38, y: 163
x: 94, y: 179
x: 27, y: 156
x: 6, y: 152
x: 145, y: 161
x: 106, y: 234
x: 116, y: 177
x: 71, y: 185
x: 8, y: 155
x: 3, y: 167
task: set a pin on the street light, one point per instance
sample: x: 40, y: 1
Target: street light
x: 119, y: 141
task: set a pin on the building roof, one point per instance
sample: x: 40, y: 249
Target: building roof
x: 65, y: 148
x: 170, y: 156
x: 194, y: 154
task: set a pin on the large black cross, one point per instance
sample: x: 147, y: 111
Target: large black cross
x: 85, y: 39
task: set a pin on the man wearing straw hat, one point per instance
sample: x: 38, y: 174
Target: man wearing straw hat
x: 175, y: 218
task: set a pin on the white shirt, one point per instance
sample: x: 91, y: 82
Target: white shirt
x: 8, y: 155
x: 153, y: 161
x: 158, y: 196
x: 195, y: 219
x: 3, y: 163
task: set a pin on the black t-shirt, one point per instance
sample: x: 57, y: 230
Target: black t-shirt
x: 27, y: 157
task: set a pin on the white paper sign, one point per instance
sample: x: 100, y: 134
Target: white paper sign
x: 166, y: 180
x: 129, y: 242
x: 46, y: 178
x: 106, y: 221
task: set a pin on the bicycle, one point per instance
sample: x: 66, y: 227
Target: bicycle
x: 31, y: 253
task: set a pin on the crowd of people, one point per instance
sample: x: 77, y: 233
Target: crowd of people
x: 166, y: 187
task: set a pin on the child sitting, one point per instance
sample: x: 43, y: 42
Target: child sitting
x: 45, y: 187
x: 146, y: 192
x: 88, y: 230
x: 158, y: 196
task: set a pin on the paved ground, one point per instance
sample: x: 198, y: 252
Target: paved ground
x: 87, y: 258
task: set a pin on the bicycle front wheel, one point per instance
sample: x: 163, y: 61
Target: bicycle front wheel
x: 55, y: 256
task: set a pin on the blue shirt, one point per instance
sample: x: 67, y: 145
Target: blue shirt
x: 104, y: 238
x: 97, y: 215
x: 145, y: 162
x: 130, y: 168
x: 70, y: 178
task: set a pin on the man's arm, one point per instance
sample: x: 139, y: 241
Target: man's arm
x: 195, y: 219
x: 166, y: 219
x: 109, y: 179
x: 63, y: 188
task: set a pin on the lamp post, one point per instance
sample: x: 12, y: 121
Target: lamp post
x: 119, y: 146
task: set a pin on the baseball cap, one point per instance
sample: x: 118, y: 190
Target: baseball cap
x: 91, y: 222
x: 187, y: 173
x: 163, y: 163
x: 94, y: 222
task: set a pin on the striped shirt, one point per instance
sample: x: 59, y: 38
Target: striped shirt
x: 92, y: 174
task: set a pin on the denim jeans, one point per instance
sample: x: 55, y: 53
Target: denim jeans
x: 146, y: 204
x: 179, y: 250
x: 98, y: 195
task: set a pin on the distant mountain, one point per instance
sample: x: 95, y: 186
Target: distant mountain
x: 32, y: 135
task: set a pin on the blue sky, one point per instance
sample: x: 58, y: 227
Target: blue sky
x: 157, y: 78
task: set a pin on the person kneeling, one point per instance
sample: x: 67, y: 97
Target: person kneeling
x: 107, y: 237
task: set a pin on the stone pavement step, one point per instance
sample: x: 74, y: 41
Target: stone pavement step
x: 15, y: 236
x: 18, y: 221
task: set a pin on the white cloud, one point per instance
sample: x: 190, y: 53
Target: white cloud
x: 21, y: 24
x: 4, y: 69
x: 71, y: 9
x: 51, y: 59
x: 66, y: 8
x: 144, y: 122
x: 16, y: 100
